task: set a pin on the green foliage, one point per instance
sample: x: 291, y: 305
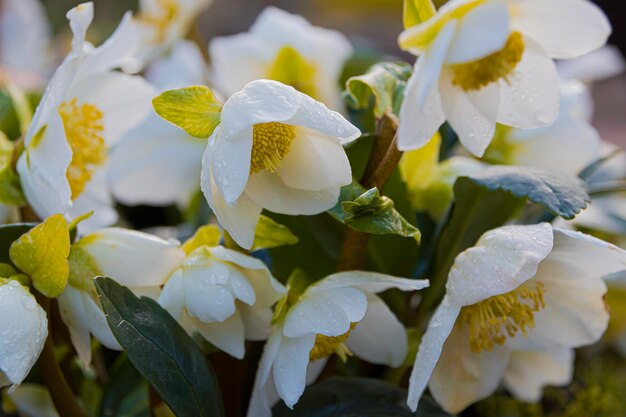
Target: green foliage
x: 10, y: 187
x: 562, y: 195
x: 126, y: 393
x: 194, y: 109
x: 161, y: 351
x: 270, y: 234
x: 351, y: 397
x: 384, y: 82
x: 367, y: 211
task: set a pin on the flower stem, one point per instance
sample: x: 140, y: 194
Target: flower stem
x: 52, y: 376
x: 383, y: 161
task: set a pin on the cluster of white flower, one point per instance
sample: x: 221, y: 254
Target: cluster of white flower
x: 133, y: 122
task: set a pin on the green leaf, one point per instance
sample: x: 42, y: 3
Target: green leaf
x: 126, y: 393
x: 270, y: 234
x: 352, y: 397
x: 562, y: 195
x: 385, y: 82
x: 9, y: 233
x: 161, y: 351
x: 194, y: 109
x: 369, y: 212
x: 417, y: 11
x: 10, y: 187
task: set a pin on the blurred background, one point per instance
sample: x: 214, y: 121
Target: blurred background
x: 371, y: 25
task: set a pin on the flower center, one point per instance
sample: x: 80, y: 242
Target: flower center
x: 270, y: 144
x: 160, y: 19
x: 327, y: 345
x: 83, y: 129
x: 491, y: 321
x: 291, y: 68
x: 499, y: 65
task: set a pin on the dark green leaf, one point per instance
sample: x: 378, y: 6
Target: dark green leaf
x: 367, y: 211
x: 355, y: 397
x: 384, y: 82
x: 9, y: 233
x: 161, y: 351
x: 562, y: 195
x: 126, y: 394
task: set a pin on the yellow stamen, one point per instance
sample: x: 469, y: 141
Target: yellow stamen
x: 327, y: 345
x: 491, y: 321
x: 83, y: 129
x: 499, y: 65
x: 160, y: 19
x: 270, y: 144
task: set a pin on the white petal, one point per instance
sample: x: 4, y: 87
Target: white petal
x: 172, y: 297
x: 239, y: 219
x: 22, y: 340
x: 329, y: 313
x: 530, y: 97
x: 264, y: 394
x: 602, y: 64
x: 73, y: 314
x: 530, y: 371
x: 371, y: 282
x: 418, y: 123
x: 33, y: 400
x: 462, y: 377
x: 236, y: 60
x: 97, y: 323
x: 140, y: 158
x: 263, y: 101
x: 228, y: 335
x: 379, y: 337
x: 575, y: 314
x: 471, y: 114
x: 481, y: 32
x: 229, y: 158
x: 206, y: 297
x: 290, y: 367
x: 96, y: 198
x: 117, y: 51
x: 42, y: 171
x: 125, y: 100
x: 266, y: 288
x: 184, y: 66
x: 439, y: 329
x: 134, y: 259
x: 501, y: 260
x: 565, y: 28
x: 537, y: 147
x: 80, y: 18
x: 270, y: 192
x: 315, y: 162
x: 256, y: 321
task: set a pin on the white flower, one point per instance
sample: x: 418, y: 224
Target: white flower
x: 278, y: 149
x: 24, y: 329
x: 164, y: 22
x: 599, y: 65
x: 139, y: 160
x: 32, y: 400
x: 286, y: 48
x: 483, y: 62
x: 224, y: 295
x: 85, y: 109
x: 544, y: 147
x: 137, y: 260
x: 24, y: 43
x: 516, y: 304
x: 339, y: 314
